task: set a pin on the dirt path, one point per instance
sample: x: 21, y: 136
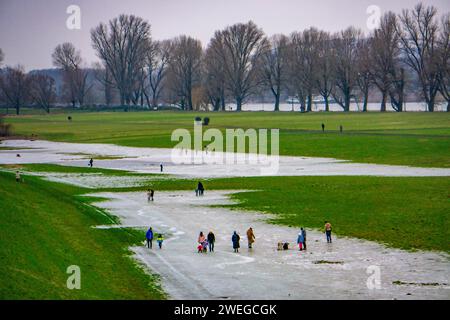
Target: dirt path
x: 264, y: 272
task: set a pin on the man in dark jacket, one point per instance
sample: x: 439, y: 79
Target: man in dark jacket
x: 211, y: 239
x: 235, y: 239
x: 149, y: 236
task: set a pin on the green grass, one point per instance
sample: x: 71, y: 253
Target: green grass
x: 45, y: 227
x: 417, y: 139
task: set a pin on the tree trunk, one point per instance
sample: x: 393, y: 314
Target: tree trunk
x: 347, y: 103
x: 309, y: 107
x: 327, y: 103
x: 431, y: 105
x: 383, y: 101
x: 277, y: 103
x: 448, y: 106
x: 238, y: 104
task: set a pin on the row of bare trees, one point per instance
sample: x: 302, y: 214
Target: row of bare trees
x: 408, y: 52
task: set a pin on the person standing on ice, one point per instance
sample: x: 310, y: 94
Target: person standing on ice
x: 235, y: 240
x: 149, y: 237
x: 150, y: 195
x: 160, y: 240
x: 250, y: 237
x: 211, y: 240
x: 300, y: 241
x: 303, y: 232
x: 328, y: 231
x: 200, y: 189
x: 161, y: 167
x: 91, y: 162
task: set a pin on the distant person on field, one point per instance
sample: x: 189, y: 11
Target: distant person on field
x: 303, y: 232
x: 160, y: 240
x: 149, y: 237
x: 150, y: 195
x: 17, y: 176
x: 161, y: 167
x: 200, y: 189
x: 235, y: 240
x: 91, y: 162
x: 250, y: 237
x: 300, y: 241
x: 328, y: 231
x: 341, y: 128
x: 323, y: 127
x: 211, y: 239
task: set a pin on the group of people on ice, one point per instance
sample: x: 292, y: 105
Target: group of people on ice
x: 210, y: 239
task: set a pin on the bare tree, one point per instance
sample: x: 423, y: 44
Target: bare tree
x: 385, y: 54
x: 418, y: 32
x: 240, y: 47
x: 68, y: 59
x: 15, y: 85
x: 2, y: 57
x: 444, y: 59
x: 346, y: 53
x: 104, y: 78
x: 274, y: 66
x: 157, y: 59
x: 305, y: 50
x: 363, y: 64
x: 42, y: 91
x: 214, y: 78
x: 122, y: 46
x: 325, y: 77
x: 185, y: 68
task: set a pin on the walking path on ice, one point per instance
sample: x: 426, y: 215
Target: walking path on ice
x: 147, y: 160
x: 264, y: 272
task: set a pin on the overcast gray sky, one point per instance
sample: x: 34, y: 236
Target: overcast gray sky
x: 30, y: 29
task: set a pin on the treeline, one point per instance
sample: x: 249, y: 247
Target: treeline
x: 407, y: 53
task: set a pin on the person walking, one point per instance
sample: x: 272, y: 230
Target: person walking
x: 235, y: 240
x: 211, y: 239
x: 323, y: 127
x: 300, y: 241
x: 303, y: 232
x: 161, y: 167
x: 328, y: 231
x: 150, y: 195
x: 202, y: 242
x: 17, y: 176
x: 149, y: 237
x: 91, y: 162
x: 250, y: 237
x: 160, y: 240
x: 200, y: 189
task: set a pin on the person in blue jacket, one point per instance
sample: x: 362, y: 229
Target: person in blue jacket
x: 235, y: 239
x: 300, y: 241
x: 149, y: 236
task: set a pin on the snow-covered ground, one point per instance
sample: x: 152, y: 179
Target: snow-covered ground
x: 147, y: 160
x: 264, y: 272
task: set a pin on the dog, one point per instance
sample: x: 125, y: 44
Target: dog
x: 283, y: 246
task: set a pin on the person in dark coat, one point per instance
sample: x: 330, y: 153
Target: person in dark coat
x: 91, y: 163
x: 303, y: 232
x: 211, y: 239
x: 149, y: 236
x: 200, y: 189
x: 235, y: 239
x: 323, y: 127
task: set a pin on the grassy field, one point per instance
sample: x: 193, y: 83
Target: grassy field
x: 45, y: 227
x: 417, y: 139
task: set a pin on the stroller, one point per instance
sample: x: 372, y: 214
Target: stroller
x: 202, y: 247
